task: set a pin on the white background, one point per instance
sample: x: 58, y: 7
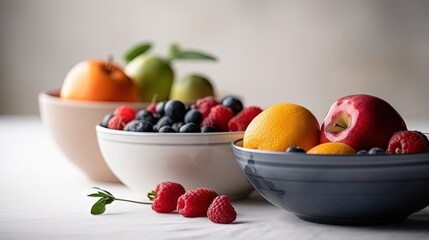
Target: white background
x: 306, y: 52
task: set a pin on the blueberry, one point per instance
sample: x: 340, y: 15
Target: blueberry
x: 175, y: 109
x: 160, y: 108
x: 194, y: 116
x: 233, y: 103
x: 177, y: 125
x: 139, y: 126
x: 105, y: 121
x: 208, y: 128
x: 376, y: 151
x: 163, y: 121
x: 295, y: 149
x: 362, y: 152
x: 166, y: 129
x: 145, y: 115
x: 189, y: 128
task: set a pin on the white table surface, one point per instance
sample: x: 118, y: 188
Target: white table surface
x: 43, y: 196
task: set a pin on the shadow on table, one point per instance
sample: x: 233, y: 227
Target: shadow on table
x: 416, y: 222
x: 254, y: 198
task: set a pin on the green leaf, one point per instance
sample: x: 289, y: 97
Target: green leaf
x: 137, y: 50
x: 105, y: 191
x: 195, y: 55
x: 99, y: 207
x: 94, y: 195
x: 174, y: 50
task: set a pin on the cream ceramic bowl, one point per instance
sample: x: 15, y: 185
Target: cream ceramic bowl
x: 142, y: 160
x: 71, y: 124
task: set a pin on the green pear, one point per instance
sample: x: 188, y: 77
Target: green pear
x: 153, y: 75
x: 191, y: 88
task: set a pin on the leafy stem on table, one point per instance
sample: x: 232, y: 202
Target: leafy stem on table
x: 106, y: 198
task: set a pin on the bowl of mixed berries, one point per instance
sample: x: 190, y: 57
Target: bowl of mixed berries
x: 173, y: 141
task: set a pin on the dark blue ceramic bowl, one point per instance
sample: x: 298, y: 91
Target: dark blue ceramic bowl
x: 339, y: 189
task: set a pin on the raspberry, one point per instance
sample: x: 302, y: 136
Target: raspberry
x: 205, y: 104
x: 195, y: 202
x: 221, y: 115
x: 151, y: 108
x: 208, y: 121
x: 243, y: 119
x: 126, y: 112
x: 221, y: 210
x: 424, y: 137
x: 116, y: 122
x: 407, y: 142
x: 165, y: 196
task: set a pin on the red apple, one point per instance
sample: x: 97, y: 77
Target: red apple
x: 361, y: 121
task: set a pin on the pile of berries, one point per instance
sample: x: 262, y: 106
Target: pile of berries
x: 199, y: 202
x: 206, y: 115
x: 402, y: 142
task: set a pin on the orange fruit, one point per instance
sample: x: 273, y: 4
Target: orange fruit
x: 97, y: 80
x: 332, y: 148
x: 281, y: 126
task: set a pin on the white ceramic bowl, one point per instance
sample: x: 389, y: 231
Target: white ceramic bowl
x: 142, y: 160
x: 71, y: 124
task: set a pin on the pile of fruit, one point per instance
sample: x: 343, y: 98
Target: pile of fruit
x: 355, y: 124
x: 206, y: 115
x: 170, y: 197
x: 146, y: 77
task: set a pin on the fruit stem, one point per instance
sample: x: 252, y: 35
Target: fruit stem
x: 109, y: 65
x: 131, y: 201
x: 398, y: 150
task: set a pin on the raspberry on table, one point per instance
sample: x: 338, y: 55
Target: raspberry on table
x: 221, y: 210
x: 126, y: 112
x: 243, y: 119
x: 195, y: 202
x: 205, y: 104
x: 221, y: 115
x: 165, y: 196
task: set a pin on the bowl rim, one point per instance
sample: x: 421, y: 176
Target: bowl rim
x: 332, y: 160
x: 52, y: 96
x: 167, y: 139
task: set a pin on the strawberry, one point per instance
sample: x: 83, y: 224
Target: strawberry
x: 221, y: 210
x: 195, y: 202
x: 221, y: 115
x: 126, y: 112
x: 243, y: 119
x: 205, y: 104
x: 165, y: 196
x: 407, y: 142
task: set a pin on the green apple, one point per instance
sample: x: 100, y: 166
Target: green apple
x: 153, y: 75
x: 191, y: 88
